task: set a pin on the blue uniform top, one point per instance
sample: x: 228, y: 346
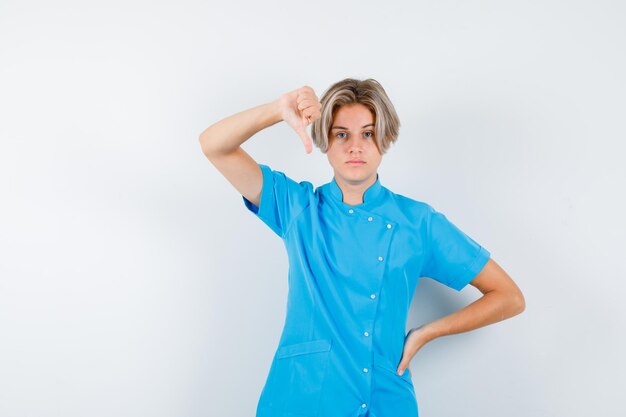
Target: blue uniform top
x: 352, y: 275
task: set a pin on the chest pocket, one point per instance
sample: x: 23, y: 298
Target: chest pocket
x: 297, y: 376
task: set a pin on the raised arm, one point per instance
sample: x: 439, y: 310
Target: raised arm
x: 221, y: 142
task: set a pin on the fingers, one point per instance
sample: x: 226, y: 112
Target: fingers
x: 304, y: 102
x: 311, y: 114
x: 402, y: 367
x: 308, y: 104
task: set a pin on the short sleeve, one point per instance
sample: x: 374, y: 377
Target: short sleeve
x: 454, y: 258
x: 282, y: 199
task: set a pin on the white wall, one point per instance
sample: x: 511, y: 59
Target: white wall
x: 133, y: 282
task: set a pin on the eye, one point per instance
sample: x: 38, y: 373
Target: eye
x: 368, y: 134
x: 341, y: 135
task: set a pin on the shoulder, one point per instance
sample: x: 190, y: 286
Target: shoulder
x: 281, y: 177
x: 414, y: 211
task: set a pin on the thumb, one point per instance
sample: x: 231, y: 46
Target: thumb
x: 304, y: 136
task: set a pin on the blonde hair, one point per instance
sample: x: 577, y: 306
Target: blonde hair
x: 368, y: 92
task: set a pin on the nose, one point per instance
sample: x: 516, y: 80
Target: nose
x: 354, y: 145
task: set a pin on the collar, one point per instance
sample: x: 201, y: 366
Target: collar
x: 371, y: 194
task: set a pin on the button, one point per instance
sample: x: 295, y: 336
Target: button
x: 388, y: 226
x: 365, y: 370
x: 366, y: 334
x: 372, y: 296
x: 369, y: 219
x: 350, y: 211
x: 363, y: 405
x: 380, y: 258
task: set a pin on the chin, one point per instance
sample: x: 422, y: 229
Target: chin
x: 360, y: 175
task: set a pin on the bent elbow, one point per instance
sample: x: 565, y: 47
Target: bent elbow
x: 205, y: 144
x: 519, y: 303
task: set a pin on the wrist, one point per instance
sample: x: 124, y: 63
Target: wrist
x: 427, y: 332
x: 274, y: 112
x: 278, y: 107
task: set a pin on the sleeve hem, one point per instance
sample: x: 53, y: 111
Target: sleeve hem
x: 267, y: 193
x: 472, y: 270
x: 265, y: 170
x: 267, y: 190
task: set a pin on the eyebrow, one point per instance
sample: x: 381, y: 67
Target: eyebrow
x: 345, y: 128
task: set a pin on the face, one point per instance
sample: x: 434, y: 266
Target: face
x: 352, y: 138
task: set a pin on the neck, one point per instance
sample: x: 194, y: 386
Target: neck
x: 353, y: 192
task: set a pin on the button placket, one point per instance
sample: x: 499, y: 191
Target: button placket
x: 382, y: 226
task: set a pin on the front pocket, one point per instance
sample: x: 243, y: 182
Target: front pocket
x: 313, y: 346
x: 297, y: 376
x: 385, y: 364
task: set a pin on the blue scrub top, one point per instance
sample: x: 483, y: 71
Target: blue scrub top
x: 352, y: 275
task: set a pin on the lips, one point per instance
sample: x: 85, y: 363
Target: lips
x: 356, y: 162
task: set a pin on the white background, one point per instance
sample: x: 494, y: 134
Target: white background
x: 133, y: 281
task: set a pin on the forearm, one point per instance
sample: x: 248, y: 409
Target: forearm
x: 492, y: 307
x: 228, y: 134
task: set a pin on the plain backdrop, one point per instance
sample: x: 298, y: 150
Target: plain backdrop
x: 133, y: 281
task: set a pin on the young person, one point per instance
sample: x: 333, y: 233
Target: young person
x: 356, y: 251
